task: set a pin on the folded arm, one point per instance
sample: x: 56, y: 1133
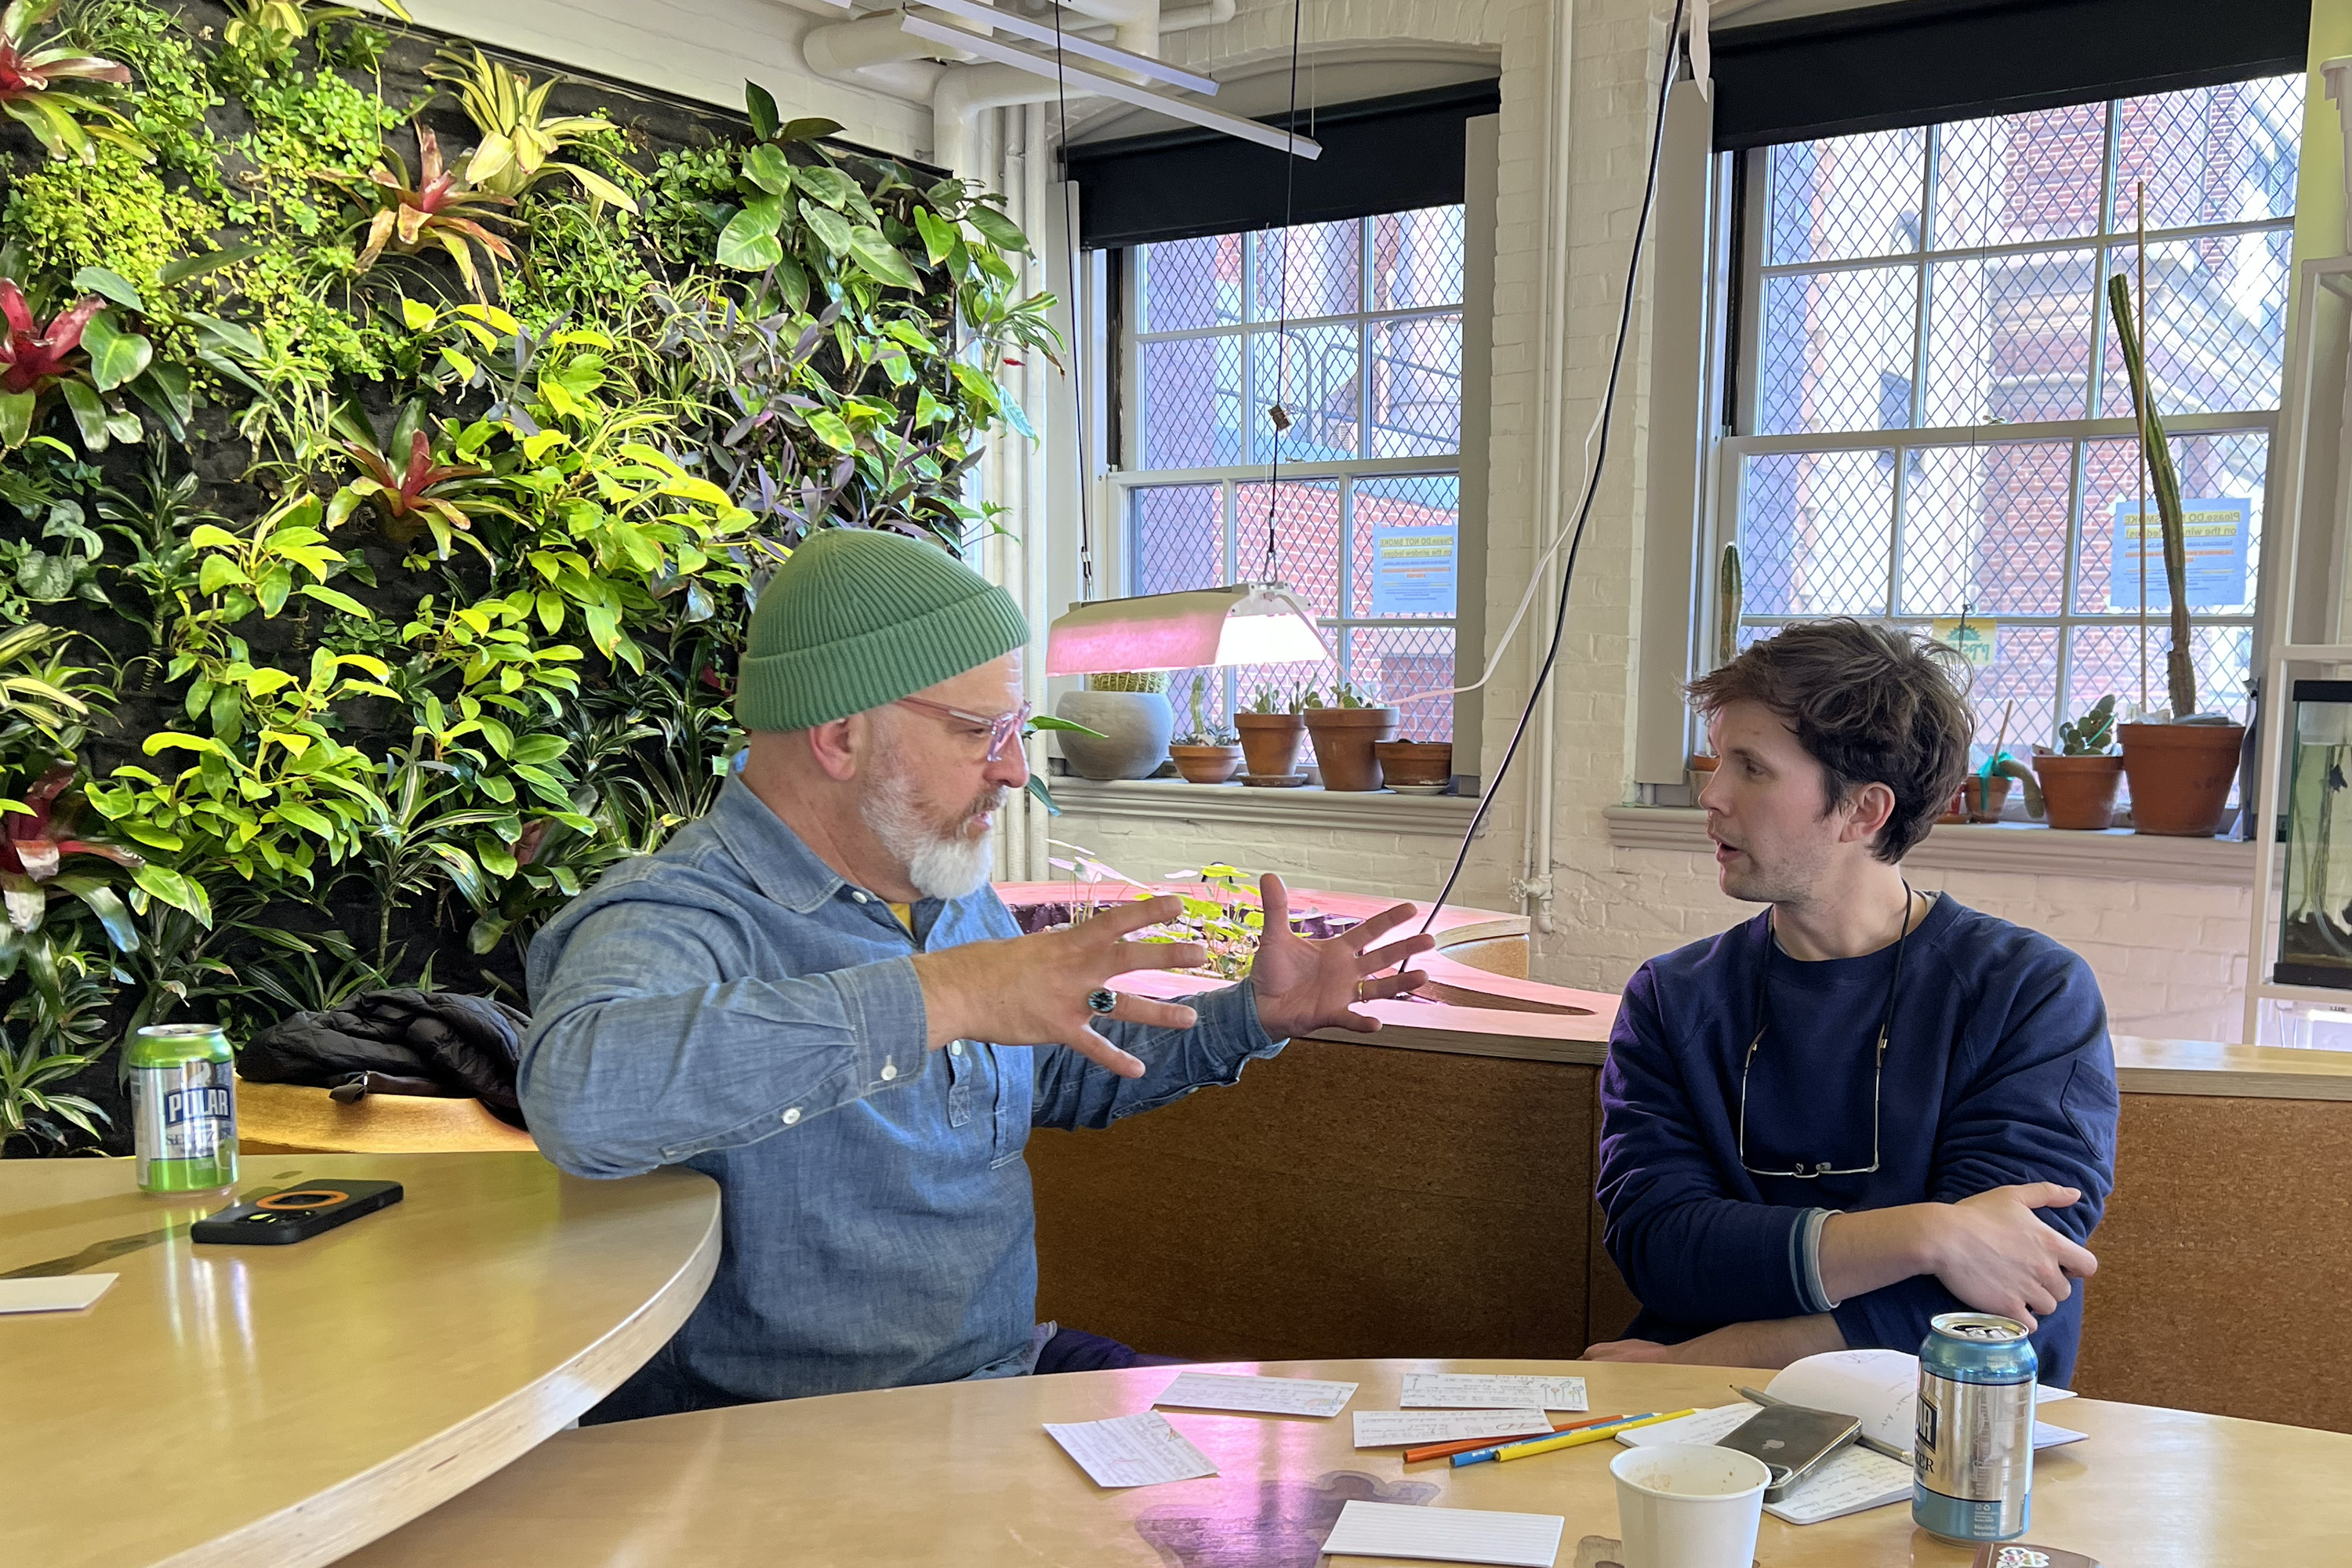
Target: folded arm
x: 2021, y: 1173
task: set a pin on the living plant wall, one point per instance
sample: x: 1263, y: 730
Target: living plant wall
x: 393, y: 442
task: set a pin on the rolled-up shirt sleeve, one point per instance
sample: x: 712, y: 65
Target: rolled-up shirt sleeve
x: 640, y: 1054
x: 1693, y: 1251
x: 1073, y: 1092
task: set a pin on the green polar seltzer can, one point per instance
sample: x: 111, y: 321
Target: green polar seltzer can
x: 183, y: 1107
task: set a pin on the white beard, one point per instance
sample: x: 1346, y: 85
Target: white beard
x: 939, y: 864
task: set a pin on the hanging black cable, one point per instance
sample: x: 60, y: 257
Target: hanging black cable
x: 1591, y: 479
x: 1078, y: 326
x: 1276, y: 415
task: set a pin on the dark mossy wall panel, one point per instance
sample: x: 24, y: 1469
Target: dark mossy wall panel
x: 381, y: 516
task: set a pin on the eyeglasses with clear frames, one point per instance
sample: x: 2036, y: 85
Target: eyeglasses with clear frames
x: 1002, y: 727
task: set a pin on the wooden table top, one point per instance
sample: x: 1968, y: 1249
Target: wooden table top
x: 964, y: 1474
x: 280, y: 1406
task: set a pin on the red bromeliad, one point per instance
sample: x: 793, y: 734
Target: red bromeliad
x: 49, y: 89
x: 31, y: 845
x: 437, y: 209
x: 32, y: 356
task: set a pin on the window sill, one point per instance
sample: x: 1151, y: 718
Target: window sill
x: 1990, y: 847
x: 1310, y: 805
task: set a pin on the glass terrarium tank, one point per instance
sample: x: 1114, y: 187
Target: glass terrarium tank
x: 2316, y: 921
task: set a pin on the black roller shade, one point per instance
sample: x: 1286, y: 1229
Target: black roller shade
x: 1380, y: 155
x: 1921, y: 62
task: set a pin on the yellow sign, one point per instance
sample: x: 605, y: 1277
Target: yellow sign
x: 1974, y: 639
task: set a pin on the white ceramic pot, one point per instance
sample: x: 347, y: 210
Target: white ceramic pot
x: 1136, y: 726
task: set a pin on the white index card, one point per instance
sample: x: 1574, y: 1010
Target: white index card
x: 1401, y: 1428
x: 1138, y: 1450
x: 1473, y: 1391
x: 53, y: 1292
x: 1262, y: 1396
x: 1446, y: 1534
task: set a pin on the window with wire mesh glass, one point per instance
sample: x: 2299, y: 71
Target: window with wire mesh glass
x: 1355, y: 328
x: 1932, y: 417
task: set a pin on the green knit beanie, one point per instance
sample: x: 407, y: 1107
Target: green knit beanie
x: 858, y: 617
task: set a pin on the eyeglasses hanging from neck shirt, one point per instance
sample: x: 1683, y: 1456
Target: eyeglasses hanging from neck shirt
x: 1878, y: 1065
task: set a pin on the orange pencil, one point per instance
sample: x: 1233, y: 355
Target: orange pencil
x: 1448, y: 1450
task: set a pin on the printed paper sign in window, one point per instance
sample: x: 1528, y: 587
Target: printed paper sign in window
x: 1414, y: 571
x: 2215, y: 530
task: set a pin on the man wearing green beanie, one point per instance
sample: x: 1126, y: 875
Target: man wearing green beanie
x: 813, y: 995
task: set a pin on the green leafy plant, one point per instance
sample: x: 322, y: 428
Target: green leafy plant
x: 59, y: 94
x: 519, y: 139
x: 47, y: 1036
x: 1201, y: 731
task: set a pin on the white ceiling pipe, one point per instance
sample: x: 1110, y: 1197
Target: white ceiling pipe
x: 963, y: 92
x: 845, y: 48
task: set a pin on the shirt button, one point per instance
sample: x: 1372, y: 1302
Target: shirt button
x: 791, y: 1115
x: 856, y: 896
x: 955, y: 1047
x: 888, y: 1072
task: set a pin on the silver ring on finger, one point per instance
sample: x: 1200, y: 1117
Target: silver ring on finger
x: 1101, y: 1000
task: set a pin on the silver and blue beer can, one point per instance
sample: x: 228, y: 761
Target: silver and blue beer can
x: 1972, y: 1459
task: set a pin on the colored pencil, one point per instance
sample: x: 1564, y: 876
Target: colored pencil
x: 1448, y: 1450
x: 1531, y: 1445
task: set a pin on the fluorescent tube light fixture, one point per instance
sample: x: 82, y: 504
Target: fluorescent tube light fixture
x: 1249, y: 623
x: 1081, y: 81
x: 1071, y: 43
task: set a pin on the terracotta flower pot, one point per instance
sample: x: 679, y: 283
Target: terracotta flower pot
x: 1984, y: 797
x: 1270, y: 742
x: 1344, y: 737
x: 2079, y: 793
x: 2181, y: 775
x: 1414, y: 761
x: 1207, y: 764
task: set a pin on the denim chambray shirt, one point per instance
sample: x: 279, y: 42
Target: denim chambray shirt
x: 731, y: 1004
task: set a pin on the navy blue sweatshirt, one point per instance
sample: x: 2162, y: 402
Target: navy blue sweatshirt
x: 1998, y: 1072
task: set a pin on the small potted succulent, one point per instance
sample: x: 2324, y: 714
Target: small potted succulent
x: 1128, y: 714
x: 1985, y: 792
x: 1271, y: 732
x: 2079, y: 780
x: 1346, y: 729
x: 1206, y: 752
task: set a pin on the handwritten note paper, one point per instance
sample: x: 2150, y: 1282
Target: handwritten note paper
x: 1264, y: 1395
x: 1401, y: 1428
x: 1469, y: 1391
x: 1445, y: 1535
x: 53, y: 1292
x: 1139, y: 1451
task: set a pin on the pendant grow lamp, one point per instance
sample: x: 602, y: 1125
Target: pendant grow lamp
x: 1249, y: 623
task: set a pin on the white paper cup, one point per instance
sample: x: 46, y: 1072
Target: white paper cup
x: 1684, y: 1505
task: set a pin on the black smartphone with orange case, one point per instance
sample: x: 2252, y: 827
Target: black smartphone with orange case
x: 297, y: 1213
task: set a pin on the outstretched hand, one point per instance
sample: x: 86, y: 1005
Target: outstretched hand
x: 1033, y: 990
x: 1304, y: 984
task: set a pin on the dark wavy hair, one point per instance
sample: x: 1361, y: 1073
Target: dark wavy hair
x: 1871, y: 704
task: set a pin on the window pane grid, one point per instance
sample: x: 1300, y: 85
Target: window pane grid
x: 1944, y: 289
x: 1369, y: 366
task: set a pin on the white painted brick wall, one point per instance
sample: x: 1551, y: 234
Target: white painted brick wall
x: 2170, y: 957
